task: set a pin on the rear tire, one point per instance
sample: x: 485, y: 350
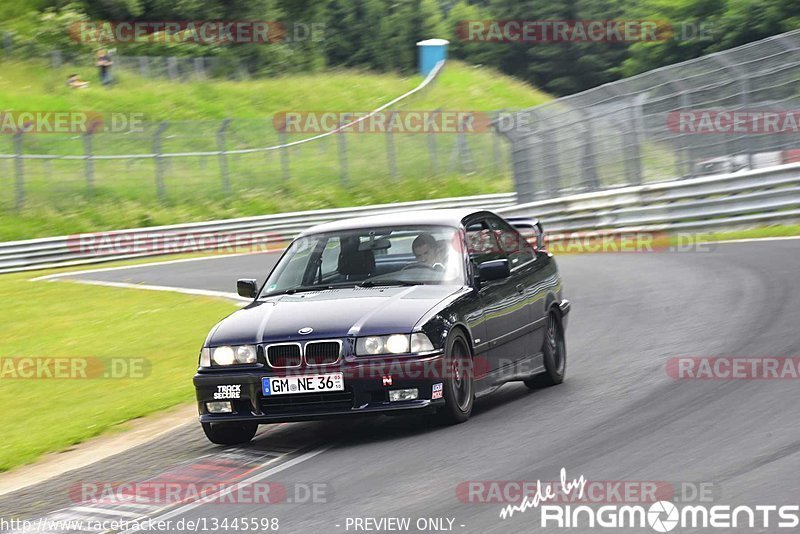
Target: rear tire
x: 459, y: 387
x: 229, y: 433
x: 554, y: 350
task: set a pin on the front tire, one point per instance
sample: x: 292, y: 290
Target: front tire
x: 459, y: 388
x: 554, y: 350
x: 229, y: 433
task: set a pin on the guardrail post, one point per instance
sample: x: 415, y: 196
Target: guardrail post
x: 223, y: 160
x: 19, y: 171
x: 342, y: 143
x: 159, y: 160
x: 390, y: 152
x: 284, y: 139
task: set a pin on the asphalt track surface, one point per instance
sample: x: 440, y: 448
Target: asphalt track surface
x: 618, y: 416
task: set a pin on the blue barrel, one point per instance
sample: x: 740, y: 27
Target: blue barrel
x: 431, y: 52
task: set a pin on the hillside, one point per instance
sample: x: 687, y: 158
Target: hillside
x: 57, y: 200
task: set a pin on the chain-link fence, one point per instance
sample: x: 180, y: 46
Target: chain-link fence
x: 723, y: 112
x: 179, y: 161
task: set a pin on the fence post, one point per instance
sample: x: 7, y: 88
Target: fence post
x: 631, y: 145
x: 340, y: 138
x: 199, y: 70
x: 8, y: 41
x: 588, y: 160
x: 19, y: 170
x: 159, y: 160
x: 223, y: 161
x: 434, y: 155
x: 88, y: 161
x: 144, y: 66
x: 172, y: 67
x: 496, y: 138
x: 744, y: 97
x: 284, y: 140
x: 390, y: 151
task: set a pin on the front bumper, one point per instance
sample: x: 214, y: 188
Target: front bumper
x: 365, y: 382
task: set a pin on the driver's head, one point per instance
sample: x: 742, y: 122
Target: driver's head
x: 425, y: 249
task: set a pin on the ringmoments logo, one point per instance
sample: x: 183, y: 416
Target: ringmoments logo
x: 660, y: 516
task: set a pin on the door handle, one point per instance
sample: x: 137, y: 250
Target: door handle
x: 520, y: 288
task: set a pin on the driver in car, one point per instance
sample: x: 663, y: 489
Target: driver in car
x: 428, y: 251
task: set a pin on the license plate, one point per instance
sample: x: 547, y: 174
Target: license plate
x: 288, y: 385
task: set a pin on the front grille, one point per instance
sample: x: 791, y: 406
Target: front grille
x: 307, y: 403
x: 323, y: 352
x: 285, y: 355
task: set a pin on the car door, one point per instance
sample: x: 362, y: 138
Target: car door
x: 505, y: 312
x: 528, y: 269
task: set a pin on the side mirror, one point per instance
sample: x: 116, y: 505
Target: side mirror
x: 247, y: 288
x: 493, y: 270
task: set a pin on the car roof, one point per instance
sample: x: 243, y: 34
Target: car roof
x: 436, y: 217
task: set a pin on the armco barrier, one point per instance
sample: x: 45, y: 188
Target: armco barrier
x: 60, y: 251
x: 746, y: 198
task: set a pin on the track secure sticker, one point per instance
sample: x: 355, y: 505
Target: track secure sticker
x: 228, y: 392
x: 436, y: 391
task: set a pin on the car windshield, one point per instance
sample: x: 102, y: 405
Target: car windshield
x: 402, y: 255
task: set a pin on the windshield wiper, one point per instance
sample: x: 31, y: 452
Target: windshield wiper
x: 376, y: 283
x: 304, y: 289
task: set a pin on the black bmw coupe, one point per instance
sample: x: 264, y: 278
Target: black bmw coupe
x: 407, y: 312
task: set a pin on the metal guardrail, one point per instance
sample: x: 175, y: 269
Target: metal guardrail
x: 745, y: 198
x: 742, y: 199
x: 254, y: 233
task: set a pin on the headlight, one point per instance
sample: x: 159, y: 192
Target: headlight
x: 246, y: 354
x: 225, y: 355
x: 370, y: 345
x: 420, y: 343
x: 397, y: 344
x: 205, y: 358
x: 393, y: 344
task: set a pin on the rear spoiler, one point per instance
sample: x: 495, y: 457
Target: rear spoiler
x: 530, y: 228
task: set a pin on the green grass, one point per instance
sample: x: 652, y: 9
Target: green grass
x: 58, y: 200
x: 68, y: 320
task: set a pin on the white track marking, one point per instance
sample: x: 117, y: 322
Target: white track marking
x: 149, y: 264
x: 148, y: 287
x: 107, y: 511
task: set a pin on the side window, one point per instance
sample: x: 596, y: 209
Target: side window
x: 330, y: 256
x: 482, y: 243
x: 517, y: 248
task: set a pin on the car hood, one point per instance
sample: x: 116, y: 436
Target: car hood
x: 333, y: 313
